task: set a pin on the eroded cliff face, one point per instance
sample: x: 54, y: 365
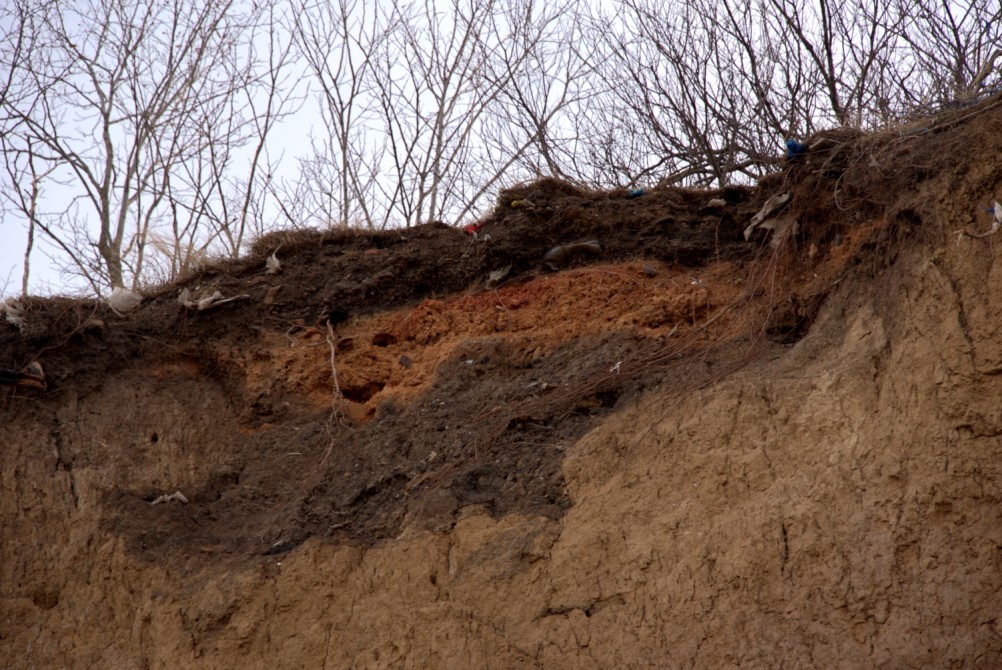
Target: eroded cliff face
x: 690, y: 451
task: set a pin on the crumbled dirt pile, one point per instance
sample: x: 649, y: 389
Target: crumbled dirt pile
x: 607, y: 429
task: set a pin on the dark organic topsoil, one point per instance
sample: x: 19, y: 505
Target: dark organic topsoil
x: 442, y: 451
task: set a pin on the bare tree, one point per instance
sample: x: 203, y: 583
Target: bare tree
x: 431, y: 99
x: 951, y: 49
x: 121, y: 99
x: 24, y: 194
x: 18, y: 40
x: 339, y: 42
x: 683, y: 77
x: 217, y: 192
x: 426, y: 105
x: 714, y: 87
x: 545, y: 71
x: 846, y: 45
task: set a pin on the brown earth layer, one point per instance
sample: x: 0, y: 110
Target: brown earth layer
x: 685, y: 450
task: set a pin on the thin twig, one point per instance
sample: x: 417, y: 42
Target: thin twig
x: 337, y: 399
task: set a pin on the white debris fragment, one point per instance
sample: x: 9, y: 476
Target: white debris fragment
x: 996, y: 222
x: 123, y: 300
x: 495, y: 277
x: 717, y: 202
x: 782, y: 227
x: 272, y: 265
x: 996, y: 210
x: 770, y: 206
x: 205, y: 301
x: 13, y: 312
x: 169, y: 497
x: 208, y: 301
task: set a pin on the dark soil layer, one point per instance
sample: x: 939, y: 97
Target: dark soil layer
x: 485, y: 429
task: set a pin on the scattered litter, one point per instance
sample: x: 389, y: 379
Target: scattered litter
x: 996, y: 209
x: 615, y: 368
x: 650, y: 270
x: 279, y: 547
x: 794, y: 148
x: 272, y: 265
x: 636, y: 193
x: 30, y: 376
x: 494, y: 278
x: 34, y: 369
x: 782, y: 227
x: 170, y: 497
x: 14, y: 313
x: 472, y: 228
x: 206, y: 301
x: 717, y: 202
x: 123, y: 300
x: 523, y: 204
x: 564, y: 252
x: 770, y: 206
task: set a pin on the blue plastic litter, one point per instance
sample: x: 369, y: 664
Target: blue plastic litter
x: 794, y: 148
